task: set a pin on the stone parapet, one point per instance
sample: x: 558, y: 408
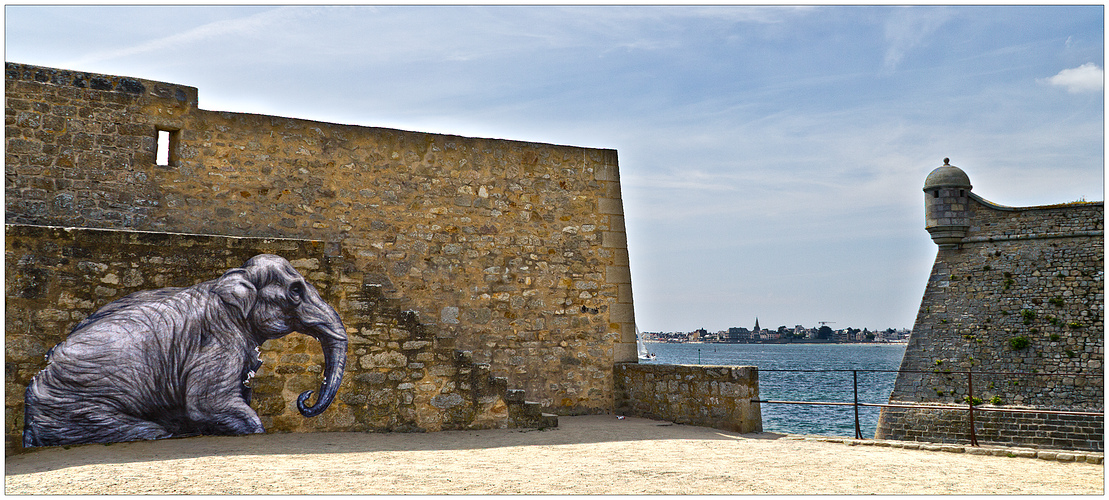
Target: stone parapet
x: 710, y: 396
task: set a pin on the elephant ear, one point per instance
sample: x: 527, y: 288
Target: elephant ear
x: 236, y: 290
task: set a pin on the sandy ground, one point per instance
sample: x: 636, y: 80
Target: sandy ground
x: 584, y: 455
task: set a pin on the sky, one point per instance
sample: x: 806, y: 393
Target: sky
x: 772, y: 158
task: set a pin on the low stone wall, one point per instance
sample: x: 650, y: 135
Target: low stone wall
x: 401, y: 373
x: 710, y: 396
x: 1035, y: 430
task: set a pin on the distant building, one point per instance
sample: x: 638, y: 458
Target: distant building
x: 739, y: 334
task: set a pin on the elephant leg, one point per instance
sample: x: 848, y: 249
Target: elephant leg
x: 134, y: 429
x: 240, y: 419
x: 56, y: 417
x: 90, y: 425
x: 230, y: 417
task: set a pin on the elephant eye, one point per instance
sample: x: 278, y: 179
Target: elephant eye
x: 296, y: 292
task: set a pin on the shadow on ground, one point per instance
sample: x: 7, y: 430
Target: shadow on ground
x: 571, y: 430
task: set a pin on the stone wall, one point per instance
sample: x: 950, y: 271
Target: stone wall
x: 515, y: 250
x: 709, y: 396
x: 1020, y: 293
x: 401, y: 375
x: 1040, y: 430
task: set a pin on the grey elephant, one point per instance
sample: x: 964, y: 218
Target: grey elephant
x: 177, y: 361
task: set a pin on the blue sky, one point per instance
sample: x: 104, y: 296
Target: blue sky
x: 772, y: 158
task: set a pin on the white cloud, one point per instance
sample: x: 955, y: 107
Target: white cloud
x: 909, y: 28
x: 253, y: 25
x: 1085, y: 78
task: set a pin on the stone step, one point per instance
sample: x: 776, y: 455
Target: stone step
x: 533, y: 409
x: 514, y: 396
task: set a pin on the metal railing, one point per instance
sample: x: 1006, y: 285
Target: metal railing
x: 970, y: 408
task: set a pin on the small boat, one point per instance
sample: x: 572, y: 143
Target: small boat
x: 641, y: 347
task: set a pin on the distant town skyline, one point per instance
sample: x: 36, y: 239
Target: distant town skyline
x: 756, y: 326
x: 771, y: 157
x: 783, y: 334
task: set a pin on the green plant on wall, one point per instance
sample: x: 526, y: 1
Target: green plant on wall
x: 1057, y: 302
x: 1070, y: 353
x: 1018, y: 343
x: 996, y: 400
x: 1054, y: 337
x: 1028, y: 315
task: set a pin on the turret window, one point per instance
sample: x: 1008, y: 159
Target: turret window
x: 936, y: 193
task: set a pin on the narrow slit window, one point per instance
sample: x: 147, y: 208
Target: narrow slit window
x: 163, y: 147
x: 936, y: 193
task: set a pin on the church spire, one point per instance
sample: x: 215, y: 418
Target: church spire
x: 757, y: 324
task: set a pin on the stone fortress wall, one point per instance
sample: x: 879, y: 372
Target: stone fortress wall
x: 1012, y: 290
x: 514, y: 250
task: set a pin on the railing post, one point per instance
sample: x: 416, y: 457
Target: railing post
x: 858, y: 433
x: 970, y: 410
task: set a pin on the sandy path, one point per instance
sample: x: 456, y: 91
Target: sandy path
x: 584, y: 455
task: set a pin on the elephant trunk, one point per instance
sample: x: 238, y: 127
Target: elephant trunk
x: 333, y: 339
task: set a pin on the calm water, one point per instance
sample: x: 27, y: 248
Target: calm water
x: 804, y: 386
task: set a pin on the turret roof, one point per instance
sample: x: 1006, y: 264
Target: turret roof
x: 947, y: 176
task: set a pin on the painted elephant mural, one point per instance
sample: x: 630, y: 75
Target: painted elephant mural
x: 177, y: 361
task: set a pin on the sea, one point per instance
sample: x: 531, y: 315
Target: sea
x: 791, y: 384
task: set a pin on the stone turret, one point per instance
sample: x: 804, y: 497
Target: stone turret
x: 946, y: 197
